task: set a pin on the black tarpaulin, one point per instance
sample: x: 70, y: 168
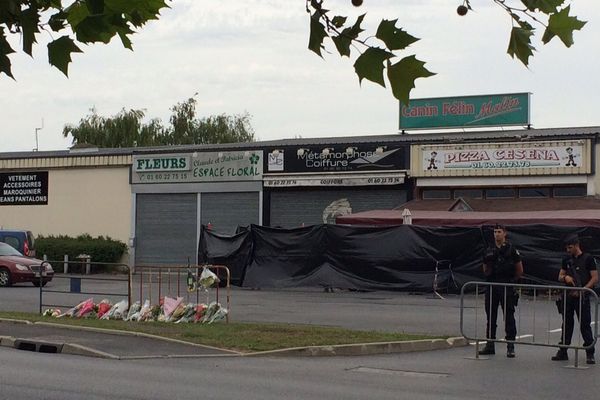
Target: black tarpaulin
x: 382, y: 258
x: 232, y: 251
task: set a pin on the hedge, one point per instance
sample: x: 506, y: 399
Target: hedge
x: 101, y: 249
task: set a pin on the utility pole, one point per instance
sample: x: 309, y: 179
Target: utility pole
x: 36, y: 135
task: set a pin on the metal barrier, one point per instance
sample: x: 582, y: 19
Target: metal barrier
x: 549, y: 294
x: 75, y: 281
x: 167, y: 279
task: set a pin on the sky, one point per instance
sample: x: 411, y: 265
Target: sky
x: 251, y: 56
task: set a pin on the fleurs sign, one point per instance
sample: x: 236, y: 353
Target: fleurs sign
x: 24, y: 188
x: 466, y: 111
x: 197, y: 167
x: 567, y: 157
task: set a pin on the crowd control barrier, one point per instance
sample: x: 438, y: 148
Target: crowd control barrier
x: 537, y: 310
x: 159, y: 280
x: 72, y: 286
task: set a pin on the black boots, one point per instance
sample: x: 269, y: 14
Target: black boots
x: 561, y: 355
x: 510, y: 350
x: 589, y: 359
x: 488, y: 349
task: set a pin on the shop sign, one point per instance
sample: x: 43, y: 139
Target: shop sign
x: 198, y: 167
x: 334, y: 180
x: 466, y: 111
x: 569, y: 155
x: 162, y: 163
x: 337, y: 158
x: 24, y: 188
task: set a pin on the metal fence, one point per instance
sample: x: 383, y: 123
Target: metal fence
x: 156, y: 281
x: 537, y: 310
x: 74, y: 285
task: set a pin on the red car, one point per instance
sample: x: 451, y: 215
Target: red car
x: 15, y: 268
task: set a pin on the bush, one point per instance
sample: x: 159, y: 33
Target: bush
x: 101, y: 249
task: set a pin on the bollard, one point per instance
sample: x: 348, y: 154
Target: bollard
x: 66, y: 264
x: 88, y: 265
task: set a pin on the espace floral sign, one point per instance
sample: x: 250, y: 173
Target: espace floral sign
x: 466, y: 111
x: 198, y: 167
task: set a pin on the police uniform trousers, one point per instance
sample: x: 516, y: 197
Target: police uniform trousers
x: 571, y: 309
x: 495, y: 296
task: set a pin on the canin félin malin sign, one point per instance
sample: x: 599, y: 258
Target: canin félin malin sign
x: 466, y: 111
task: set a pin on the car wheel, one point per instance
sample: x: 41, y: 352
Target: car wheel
x: 4, y: 277
x: 37, y: 283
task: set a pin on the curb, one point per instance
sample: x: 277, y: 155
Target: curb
x: 136, y: 334
x: 360, y: 349
x: 363, y: 349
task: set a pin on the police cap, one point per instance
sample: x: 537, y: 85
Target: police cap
x: 571, y: 240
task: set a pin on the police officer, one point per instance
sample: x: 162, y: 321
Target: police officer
x: 578, y: 270
x: 501, y: 263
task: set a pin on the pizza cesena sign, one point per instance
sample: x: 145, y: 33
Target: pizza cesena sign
x: 24, y: 188
x: 569, y: 155
x: 197, y: 167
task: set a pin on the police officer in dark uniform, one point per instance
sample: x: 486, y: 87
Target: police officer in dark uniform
x: 502, y: 263
x: 578, y: 270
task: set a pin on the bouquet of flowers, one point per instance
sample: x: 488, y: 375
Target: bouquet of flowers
x: 219, y: 315
x: 51, y: 312
x: 200, y: 310
x: 133, y: 310
x: 86, y: 308
x: 189, y: 312
x: 141, y: 313
x: 208, y: 278
x: 73, y: 312
x: 103, y: 307
x: 210, y: 311
x: 117, y: 311
x: 170, y: 305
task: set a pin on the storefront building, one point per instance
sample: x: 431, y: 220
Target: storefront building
x: 174, y: 194
x: 542, y: 164
x: 67, y: 192
x: 157, y: 199
x: 306, y: 184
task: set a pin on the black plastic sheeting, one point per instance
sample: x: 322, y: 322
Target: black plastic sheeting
x: 402, y: 257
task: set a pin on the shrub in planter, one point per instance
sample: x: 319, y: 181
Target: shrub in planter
x: 101, y: 250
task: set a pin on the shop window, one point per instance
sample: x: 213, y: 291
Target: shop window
x: 570, y: 191
x: 469, y: 193
x: 534, y: 192
x: 500, y: 193
x: 430, y: 194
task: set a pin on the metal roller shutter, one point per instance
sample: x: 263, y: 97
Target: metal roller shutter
x: 227, y: 211
x: 292, y: 208
x: 166, y: 228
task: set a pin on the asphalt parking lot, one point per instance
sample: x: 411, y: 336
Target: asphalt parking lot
x: 382, y: 311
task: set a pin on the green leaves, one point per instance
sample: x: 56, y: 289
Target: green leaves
x: 545, y: 6
x: 394, y: 38
x: 519, y: 44
x: 59, y: 53
x: 370, y: 65
x: 378, y: 50
x: 91, y: 21
x: 29, y: 26
x: 128, y: 129
x: 403, y: 74
x: 317, y: 35
x: 344, y: 39
x: 562, y: 25
x: 5, y: 50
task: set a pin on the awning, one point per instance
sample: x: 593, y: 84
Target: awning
x: 335, y: 179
